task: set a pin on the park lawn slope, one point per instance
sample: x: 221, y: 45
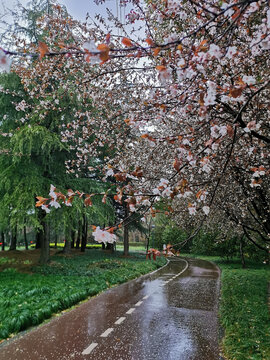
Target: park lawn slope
x: 244, y: 313
x: 27, y: 299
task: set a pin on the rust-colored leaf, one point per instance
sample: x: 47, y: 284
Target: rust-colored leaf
x: 149, y: 41
x: 41, y: 201
x: 180, y: 47
x: 104, y: 52
x: 43, y: 49
x: 230, y: 131
x: 88, y: 201
x: 177, y: 164
x: 156, y: 51
x: 236, y: 92
x: 138, y: 172
x: 127, y: 42
x: 236, y: 14
x: 108, y: 38
x: 120, y: 176
x: 161, y: 68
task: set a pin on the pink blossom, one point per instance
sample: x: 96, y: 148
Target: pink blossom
x: 249, y: 80
x: 214, y: 50
x: 206, y: 210
x: 192, y: 209
x: 231, y: 51
x: 52, y: 193
x: 55, y: 204
x: 103, y: 236
x: 5, y: 61
x: 210, y: 98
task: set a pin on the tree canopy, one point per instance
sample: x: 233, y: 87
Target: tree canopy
x: 181, y: 99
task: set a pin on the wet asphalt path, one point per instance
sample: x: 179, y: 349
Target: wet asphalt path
x: 168, y: 315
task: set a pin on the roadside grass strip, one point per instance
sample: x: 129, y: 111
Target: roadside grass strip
x: 29, y: 299
x: 244, y: 313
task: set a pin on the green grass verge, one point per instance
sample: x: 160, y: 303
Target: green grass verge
x: 133, y: 246
x: 29, y: 299
x: 244, y: 314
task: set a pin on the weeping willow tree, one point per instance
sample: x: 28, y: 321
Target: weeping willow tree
x: 24, y: 21
x: 32, y: 157
x: 37, y: 107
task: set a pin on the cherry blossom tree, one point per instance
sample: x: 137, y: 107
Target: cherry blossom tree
x: 182, y: 99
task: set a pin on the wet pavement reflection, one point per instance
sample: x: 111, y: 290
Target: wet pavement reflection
x: 172, y: 318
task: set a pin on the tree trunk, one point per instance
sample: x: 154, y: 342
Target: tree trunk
x: 3, y: 240
x: 103, y: 246
x: 126, y: 241
x: 25, y: 238
x: 84, y: 234
x: 147, y: 244
x: 73, y: 235
x: 110, y: 247
x: 55, y: 241
x: 242, y: 252
x: 39, y: 236
x: 40, y: 232
x: 13, y: 240
x: 78, y: 242
x: 67, y: 247
x: 45, y: 245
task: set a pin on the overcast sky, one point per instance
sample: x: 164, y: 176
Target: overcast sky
x: 76, y: 8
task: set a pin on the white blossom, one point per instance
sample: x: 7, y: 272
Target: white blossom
x: 5, y: 61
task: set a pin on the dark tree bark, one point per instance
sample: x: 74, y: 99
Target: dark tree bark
x: 79, y: 235
x: 73, y: 235
x: 55, y: 241
x: 67, y: 247
x: 84, y: 234
x: 241, y: 246
x: 39, y: 236
x: 25, y: 238
x: 39, y: 233
x: 13, y: 240
x: 126, y: 240
x: 109, y: 247
x: 45, y: 245
x: 3, y: 240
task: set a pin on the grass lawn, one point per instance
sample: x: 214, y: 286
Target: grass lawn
x: 244, y: 313
x: 29, y: 294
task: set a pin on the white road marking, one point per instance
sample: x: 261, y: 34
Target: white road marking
x: 120, y: 320
x: 145, y: 297
x: 139, y: 303
x: 130, y: 311
x: 90, y: 348
x: 107, y: 332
